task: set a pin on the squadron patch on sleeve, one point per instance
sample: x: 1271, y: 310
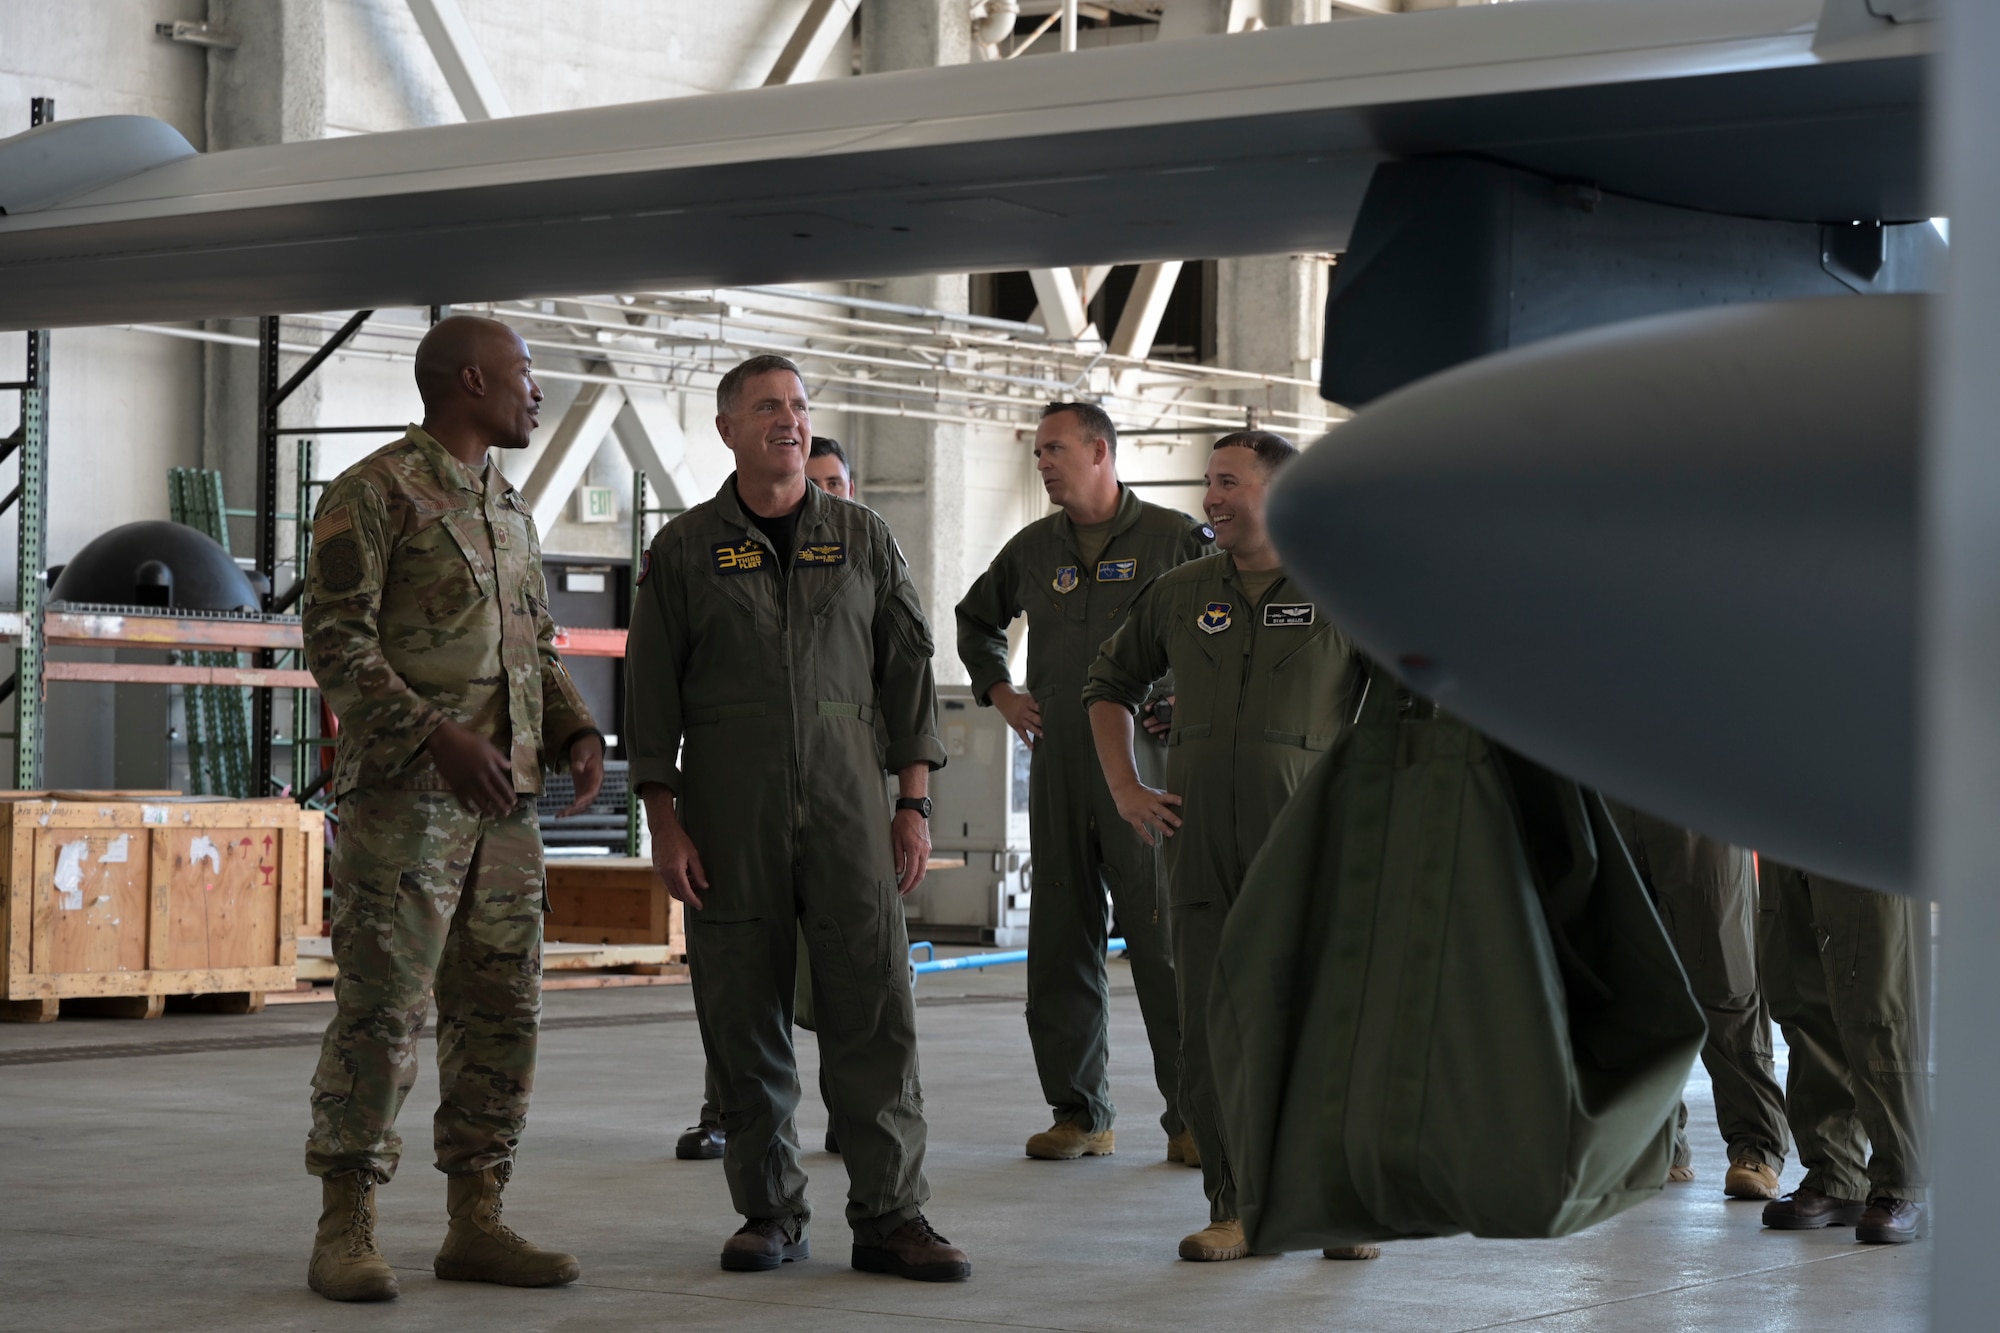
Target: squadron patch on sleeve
x: 339, y: 564
x: 1117, y: 571
x: 1290, y: 613
x: 1215, y: 619
x: 822, y: 553
x: 740, y: 557
x: 645, y: 567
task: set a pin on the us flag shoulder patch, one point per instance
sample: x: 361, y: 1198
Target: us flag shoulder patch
x: 332, y: 523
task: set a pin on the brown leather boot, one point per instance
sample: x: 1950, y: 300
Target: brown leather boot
x: 1065, y: 1141
x: 1181, y: 1148
x: 915, y: 1251
x: 1808, y: 1210
x: 479, y: 1247
x: 764, y: 1243
x: 346, y: 1265
x: 1216, y: 1243
x: 1892, y: 1222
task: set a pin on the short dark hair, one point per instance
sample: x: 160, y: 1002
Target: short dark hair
x: 1096, y: 422
x: 732, y: 383
x: 1272, y: 449
x: 823, y: 445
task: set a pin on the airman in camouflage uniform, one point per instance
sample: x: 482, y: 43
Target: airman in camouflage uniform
x: 427, y: 627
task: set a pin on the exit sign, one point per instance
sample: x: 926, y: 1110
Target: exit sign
x: 596, y: 504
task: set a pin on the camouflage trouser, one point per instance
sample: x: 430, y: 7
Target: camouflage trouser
x: 428, y: 895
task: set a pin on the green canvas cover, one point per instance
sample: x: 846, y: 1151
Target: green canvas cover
x: 1444, y: 1002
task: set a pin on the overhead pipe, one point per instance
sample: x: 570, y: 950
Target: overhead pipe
x: 973, y: 961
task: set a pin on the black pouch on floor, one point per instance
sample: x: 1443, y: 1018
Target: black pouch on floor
x: 1444, y: 1002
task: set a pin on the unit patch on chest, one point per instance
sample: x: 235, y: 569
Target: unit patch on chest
x: 1288, y: 613
x: 1117, y: 571
x: 740, y: 557
x: 823, y: 553
x: 1215, y: 619
x: 1065, y: 579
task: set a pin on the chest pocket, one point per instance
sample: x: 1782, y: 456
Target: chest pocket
x: 445, y: 568
x: 1305, y: 685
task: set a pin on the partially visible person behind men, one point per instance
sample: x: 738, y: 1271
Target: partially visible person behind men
x: 1075, y: 574
x: 1706, y: 892
x: 771, y: 625
x: 1842, y: 971
x: 826, y: 468
x: 1262, y: 684
x: 427, y: 628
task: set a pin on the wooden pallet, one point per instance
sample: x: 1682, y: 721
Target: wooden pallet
x: 112, y: 902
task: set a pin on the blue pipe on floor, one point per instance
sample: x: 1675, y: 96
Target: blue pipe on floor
x: 932, y: 963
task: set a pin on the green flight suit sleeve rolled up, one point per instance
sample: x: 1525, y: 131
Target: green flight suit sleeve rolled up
x: 906, y: 685
x: 1133, y: 659
x: 342, y: 631
x: 983, y: 616
x: 656, y: 652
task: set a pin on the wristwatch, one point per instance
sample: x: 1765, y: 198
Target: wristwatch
x: 920, y: 804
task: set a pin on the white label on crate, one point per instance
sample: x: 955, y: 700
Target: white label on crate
x: 152, y: 814
x: 69, y: 873
x: 120, y: 849
x: 203, y: 848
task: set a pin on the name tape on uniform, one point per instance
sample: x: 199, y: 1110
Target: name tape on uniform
x: 822, y: 553
x: 1117, y: 571
x: 740, y: 557
x: 1292, y: 613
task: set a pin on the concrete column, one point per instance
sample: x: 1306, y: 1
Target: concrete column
x: 913, y: 472
x: 270, y: 89
x: 1268, y: 314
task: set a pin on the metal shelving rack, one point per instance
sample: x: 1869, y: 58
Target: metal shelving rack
x: 31, y: 494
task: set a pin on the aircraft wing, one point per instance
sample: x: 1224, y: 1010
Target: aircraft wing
x: 1247, y: 144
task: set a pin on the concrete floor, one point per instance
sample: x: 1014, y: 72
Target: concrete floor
x: 150, y: 1179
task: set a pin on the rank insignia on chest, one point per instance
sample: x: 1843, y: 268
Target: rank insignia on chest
x: 1065, y: 580
x: 1215, y: 619
x: 1117, y: 571
x: 823, y: 553
x: 1288, y: 613
x: 740, y: 557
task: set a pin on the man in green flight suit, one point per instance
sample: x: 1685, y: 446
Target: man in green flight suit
x: 1843, y: 969
x: 1706, y: 892
x: 427, y: 627
x: 1075, y: 574
x: 1262, y: 684
x: 772, y: 624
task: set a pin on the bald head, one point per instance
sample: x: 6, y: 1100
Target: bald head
x: 474, y: 376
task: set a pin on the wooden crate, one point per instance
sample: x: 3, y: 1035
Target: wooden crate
x: 105, y: 896
x: 612, y: 900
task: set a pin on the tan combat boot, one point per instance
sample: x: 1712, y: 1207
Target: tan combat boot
x: 1351, y: 1252
x: 346, y: 1265
x: 1216, y: 1242
x: 1066, y: 1141
x: 1749, y: 1178
x: 1181, y: 1148
x: 479, y: 1247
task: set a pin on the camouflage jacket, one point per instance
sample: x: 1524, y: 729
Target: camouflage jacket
x: 426, y: 601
